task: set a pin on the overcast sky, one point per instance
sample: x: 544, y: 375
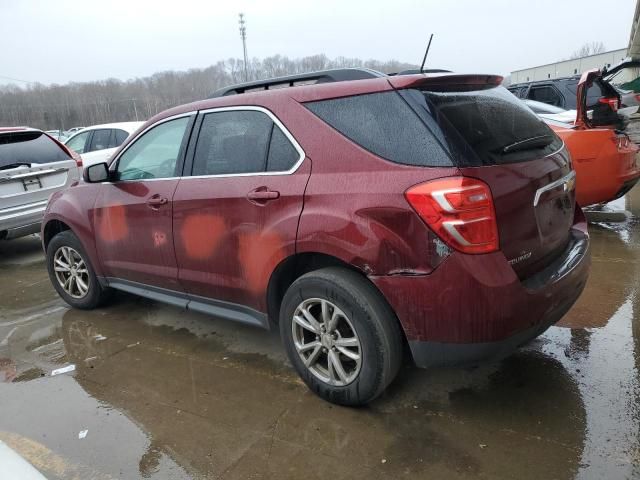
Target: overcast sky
x: 78, y: 40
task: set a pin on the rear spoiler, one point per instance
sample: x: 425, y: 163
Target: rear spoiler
x: 445, y: 82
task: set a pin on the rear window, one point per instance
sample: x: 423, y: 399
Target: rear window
x: 484, y: 127
x: 29, y: 148
x: 384, y: 124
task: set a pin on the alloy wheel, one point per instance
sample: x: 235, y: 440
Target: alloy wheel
x: 71, y: 272
x: 326, y: 342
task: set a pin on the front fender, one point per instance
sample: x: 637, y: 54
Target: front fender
x: 75, y: 208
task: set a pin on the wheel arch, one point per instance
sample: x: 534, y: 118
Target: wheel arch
x: 51, y: 229
x: 294, y: 266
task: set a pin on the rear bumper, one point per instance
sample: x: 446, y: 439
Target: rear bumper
x: 628, y: 184
x: 474, y: 307
x: 22, y: 216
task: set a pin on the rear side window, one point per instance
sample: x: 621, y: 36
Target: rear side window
x: 244, y: 141
x: 484, y: 127
x: 282, y: 154
x: 518, y: 91
x: 100, y: 140
x: 232, y: 142
x: 385, y: 125
x: 119, y: 137
x: 545, y: 94
x: 29, y: 148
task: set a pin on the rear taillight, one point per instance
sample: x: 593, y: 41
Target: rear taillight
x: 611, y: 101
x: 459, y: 210
x: 637, y: 97
x: 622, y: 141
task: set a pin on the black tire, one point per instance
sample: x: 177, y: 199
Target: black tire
x: 372, y: 320
x: 96, y: 295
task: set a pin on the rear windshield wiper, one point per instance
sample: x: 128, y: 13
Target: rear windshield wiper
x: 15, y: 165
x: 538, y: 141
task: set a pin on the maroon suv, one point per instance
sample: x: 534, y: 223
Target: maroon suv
x: 433, y: 212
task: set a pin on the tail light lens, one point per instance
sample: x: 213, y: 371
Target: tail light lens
x: 611, y: 101
x: 622, y: 141
x: 459, y: 210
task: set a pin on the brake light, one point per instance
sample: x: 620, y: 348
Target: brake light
x: 611, y: 101
x: 459, y: 210
x: 637, y: 95
x: 622, y: 141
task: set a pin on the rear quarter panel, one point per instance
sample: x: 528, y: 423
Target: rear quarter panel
x: 601, y: 168
x: 355, y: 208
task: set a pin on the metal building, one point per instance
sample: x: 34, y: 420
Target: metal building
x: 576, y: 66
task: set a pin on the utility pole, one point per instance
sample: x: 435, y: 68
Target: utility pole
x: 135, y: 109
x: 243, y: 35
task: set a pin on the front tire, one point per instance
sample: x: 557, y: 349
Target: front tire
x: 72, y: 274
x: 341, y: 335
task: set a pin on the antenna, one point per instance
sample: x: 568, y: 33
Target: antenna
x: 424, y: 60
x: 243, y: 35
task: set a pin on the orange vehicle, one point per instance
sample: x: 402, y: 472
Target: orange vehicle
x: 604, y: 158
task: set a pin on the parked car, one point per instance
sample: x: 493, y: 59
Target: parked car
x: 32, y: 167
x: 605, y: 162
x: 604, y: 158
x: 57, y: 134
x: 546, y: 111
x: 439, y: 215
x: 97, y: 143
x: 561, y: 92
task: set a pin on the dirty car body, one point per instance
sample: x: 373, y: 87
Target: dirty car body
x: 32, y: 167
x: 360, y: 216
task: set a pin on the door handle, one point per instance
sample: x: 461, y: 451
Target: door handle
x: 156, y: 201
x: 262, y: 195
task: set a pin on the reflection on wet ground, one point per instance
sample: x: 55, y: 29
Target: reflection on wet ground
x: 164, y: 393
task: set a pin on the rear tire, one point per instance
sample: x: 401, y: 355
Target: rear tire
x: 341, y: 336
x: 72, y: 274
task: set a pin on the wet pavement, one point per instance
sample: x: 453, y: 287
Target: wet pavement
x: 164, y: 393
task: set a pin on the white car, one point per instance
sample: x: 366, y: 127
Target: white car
x: 97, y: 143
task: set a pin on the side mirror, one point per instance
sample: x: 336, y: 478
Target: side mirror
x: 96, y: 173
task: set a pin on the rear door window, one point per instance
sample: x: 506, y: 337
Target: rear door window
x: 100, y: 140
x: 232, y: 142
x: 385, y: 125
x: 545, y: 94
x: 29, y: 148
x: 282, y: 154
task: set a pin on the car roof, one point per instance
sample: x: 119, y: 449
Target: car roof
x: 18, y: 129
x: 544, y: 80
x: 129, y: 127
x: 324, y: 91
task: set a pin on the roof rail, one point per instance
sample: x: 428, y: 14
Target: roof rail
x: 322, y: 76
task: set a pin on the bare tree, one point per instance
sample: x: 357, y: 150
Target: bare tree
x: 589, y: 48
x: 112, y: 100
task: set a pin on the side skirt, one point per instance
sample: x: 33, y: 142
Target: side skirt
x: 209, y: 306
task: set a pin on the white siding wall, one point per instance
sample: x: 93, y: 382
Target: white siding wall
x: 568, y: 68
